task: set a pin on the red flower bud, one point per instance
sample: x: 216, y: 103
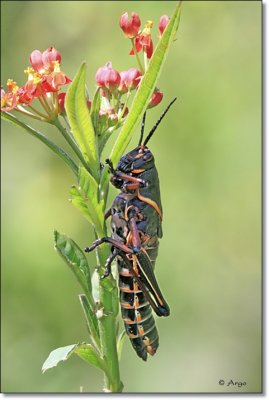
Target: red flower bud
x: 106, y: 77
x: 36, y: 60
x: 89, y: 104
x: 163, y: 21
x: 129, y: 79
x: 61, y: 101
x: 156, y: 98
x: 130, y: 27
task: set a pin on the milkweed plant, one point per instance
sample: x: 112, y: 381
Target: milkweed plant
x: 87, y: 123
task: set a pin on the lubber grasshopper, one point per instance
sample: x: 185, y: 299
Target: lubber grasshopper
x: 136, y: 224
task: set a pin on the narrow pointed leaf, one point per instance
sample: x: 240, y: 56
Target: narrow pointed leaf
x: 120, y: 342
x: 102, y: 141
x: 91, y: 319
x: 76, y: 260
x: 38, y: 135
x: 95, y: 108
x: 95, y: 206
x: 80, y: 121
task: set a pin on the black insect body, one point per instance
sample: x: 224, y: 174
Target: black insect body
x: 136, y: 224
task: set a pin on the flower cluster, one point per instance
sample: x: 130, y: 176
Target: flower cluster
x: 141, y: 40
x: 45, y: 79
x: 114, y: 84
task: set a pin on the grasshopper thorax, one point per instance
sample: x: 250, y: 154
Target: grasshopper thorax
x: 136, y: 161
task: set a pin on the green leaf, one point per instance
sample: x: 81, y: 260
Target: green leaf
x: 38, y: 135
x: 89, y: 354
x: 143, y: 95
x: 79, y: 201
x: 120, y: 342
x: 95, y: 108
x: 91, y: 319
x: 76, y: 260
x: 83, y: 350
x: 95, y: 286
x: 91, y: 190
x: 57, y: 355
x: 102, y: 141
x: 80, y: 121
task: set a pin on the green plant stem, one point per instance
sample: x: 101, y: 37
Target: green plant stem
x: 107, y: 324
x: 137, y: 57
x: 25, y: 112
x: 71, y: 142
x: 37, y: 112
x: 43, y: 101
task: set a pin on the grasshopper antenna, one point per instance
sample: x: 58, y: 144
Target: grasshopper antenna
x: 158, y: 122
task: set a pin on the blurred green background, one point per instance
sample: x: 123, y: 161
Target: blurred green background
x: 208, y: 153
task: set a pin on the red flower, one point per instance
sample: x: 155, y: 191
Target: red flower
x: 107, y: 77
x: 130, y: 26
x: 143, y: 41
x: 57, y: 78
x: 156, y: 98
x: 129, y: 79
x: 44, y: 62
x: 25, y: 96
x: 163, y: 22
x: 38, y: 84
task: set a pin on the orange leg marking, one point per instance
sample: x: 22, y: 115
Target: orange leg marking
x: 151, y: 203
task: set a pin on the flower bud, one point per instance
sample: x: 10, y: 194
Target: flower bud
x: 61, y: 101
x: 156, y: 98
x: 107, y: 77
x: 89, y: 104
x: 130, y: 26
x: 163, y: 22
x: 129, y: 79
x: 36, y: 60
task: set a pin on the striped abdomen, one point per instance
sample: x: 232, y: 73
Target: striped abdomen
x: 136, y: 313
